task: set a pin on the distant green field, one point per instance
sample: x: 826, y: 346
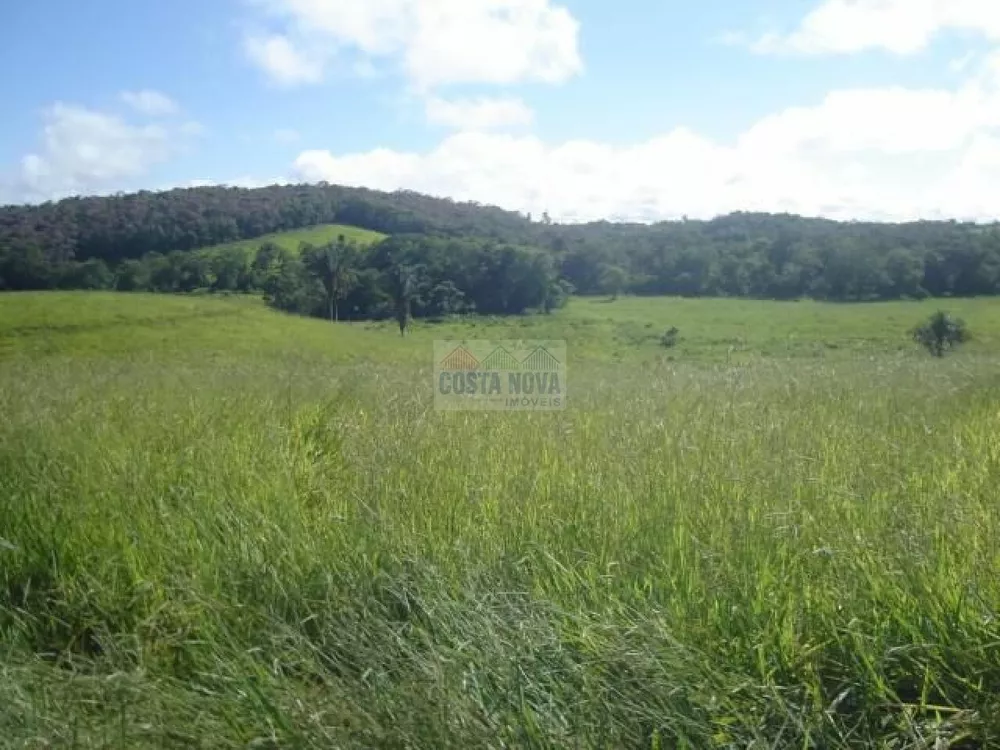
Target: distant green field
x: 222, y: 526
x: 628, y: 330
x: 317, y: 235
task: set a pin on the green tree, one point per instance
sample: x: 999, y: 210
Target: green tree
x: 132, y: 276
x: 904, y: 272
x: 613, y: 280
x: 266, y: 267
x: 336, y: 267
x: 444, y: 298
x: 231, y: 268
x: 556, y: 295
x: 404, y: 285
x: 91, y: 274
x: 26, y: 267
x: 296, y: 290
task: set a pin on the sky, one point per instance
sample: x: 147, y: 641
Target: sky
x: 637, y: 110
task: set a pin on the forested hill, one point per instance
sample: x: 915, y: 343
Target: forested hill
x: 759, y: 255
x: 127, y: 226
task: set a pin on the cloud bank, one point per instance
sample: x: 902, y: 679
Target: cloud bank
x: 879, y: 153
x: 431, y: 43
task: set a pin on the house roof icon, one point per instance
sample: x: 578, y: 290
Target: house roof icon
x: 460, y: 359
x: 540, y: 359
x: 501, y: 359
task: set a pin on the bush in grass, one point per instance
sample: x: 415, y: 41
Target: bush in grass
x: 670, y: 337
x: 940, y: 333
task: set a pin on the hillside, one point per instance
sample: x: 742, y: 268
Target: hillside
x: 119, y: 227
x: 740, y: 255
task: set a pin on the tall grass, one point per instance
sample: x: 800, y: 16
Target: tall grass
x: 270, y: 552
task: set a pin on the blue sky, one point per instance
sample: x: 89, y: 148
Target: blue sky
x: 637, y: 109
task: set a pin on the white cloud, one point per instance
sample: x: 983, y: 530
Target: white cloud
x: 899, y: 26
x: 286, y: 135
x: 84, y: 151
x: 888, y: 120
x: 483, y: 113
x: 283, y: 63
x: 150, y: 103
x: 435, y: 42
x: 877, y: 154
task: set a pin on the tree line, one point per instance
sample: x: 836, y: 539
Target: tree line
x: 783, y: 257
x: 403, y: 276
x: 465, y: 256
x: 412, y: 275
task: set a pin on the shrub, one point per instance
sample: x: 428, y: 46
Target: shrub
x: 940, y: 333
x: 670, y: 337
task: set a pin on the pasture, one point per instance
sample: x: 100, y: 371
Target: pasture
x: 221, y: 526
x: 291, y: 240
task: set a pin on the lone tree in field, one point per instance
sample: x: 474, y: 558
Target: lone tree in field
x: 940, y: 333
x: 403, y: 285
x: 335, y: 265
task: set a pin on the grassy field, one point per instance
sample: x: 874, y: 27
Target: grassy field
x: 318, y: 235
x: 225, y: 527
